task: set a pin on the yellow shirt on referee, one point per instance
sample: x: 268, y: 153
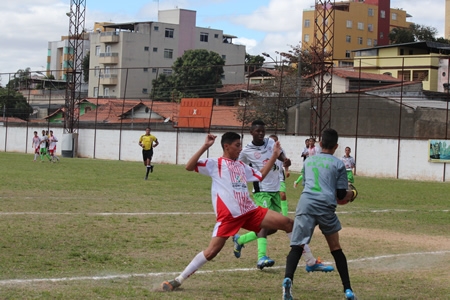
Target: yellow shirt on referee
x: 147, y: 141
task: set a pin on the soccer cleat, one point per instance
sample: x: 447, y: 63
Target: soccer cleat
x: 349, y: 295
x: 169, y: 286
x: 287, y: 292
x: 265, y: 261
x: 151, y: 169
x: 319, y: 266
x: 237, y: 247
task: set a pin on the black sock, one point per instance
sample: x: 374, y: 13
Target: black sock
x: 341, y: 265
x: 292, y: 261
x: 148, y: 170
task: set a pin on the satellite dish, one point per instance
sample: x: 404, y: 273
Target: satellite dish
x: 167, y: 120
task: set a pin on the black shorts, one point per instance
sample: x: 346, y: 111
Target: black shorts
x: 147, y: 154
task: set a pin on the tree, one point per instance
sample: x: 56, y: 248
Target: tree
x: 85, y: 66
x: 253, y: 62
x: 195, y: 74
x: 415, y: 33
x: 20, y: 80
x: 14, y: 104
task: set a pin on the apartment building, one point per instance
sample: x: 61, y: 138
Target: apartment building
x: 357, y: 24
x: 126, y: 57
x: 58, y: 56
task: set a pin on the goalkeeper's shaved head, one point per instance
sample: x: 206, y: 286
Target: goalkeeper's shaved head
x: 329, y: 138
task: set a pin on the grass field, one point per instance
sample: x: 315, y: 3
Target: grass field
x: 94, y: 229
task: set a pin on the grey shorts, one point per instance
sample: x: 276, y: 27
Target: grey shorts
x: 304, y: 227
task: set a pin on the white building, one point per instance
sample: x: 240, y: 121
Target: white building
x: 126, y: 57
x: 58, y: 56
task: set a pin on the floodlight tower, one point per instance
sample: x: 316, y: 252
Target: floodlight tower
x: 74, y: 60
x: 74, y: 76
x: 322, y: 65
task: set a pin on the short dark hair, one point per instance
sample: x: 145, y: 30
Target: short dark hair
x: 274, y: 137
x: 258, y: 123
x: 229, y: 137
x: 329, y: 138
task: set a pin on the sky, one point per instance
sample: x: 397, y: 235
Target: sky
x: 26, y: 26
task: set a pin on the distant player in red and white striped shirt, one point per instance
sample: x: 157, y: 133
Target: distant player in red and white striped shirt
x: 232, y: 204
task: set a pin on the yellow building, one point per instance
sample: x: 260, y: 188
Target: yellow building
x: 357, y: 25
x: 417, y: 61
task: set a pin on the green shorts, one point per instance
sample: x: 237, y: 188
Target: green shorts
x: 283, y: 186
x: 350, y: 177
x: 270, y: 200
x: 43, y: 151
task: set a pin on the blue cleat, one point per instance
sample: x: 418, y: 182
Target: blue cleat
x: 349, y: 295
x: 265, y: 261
x: 319, y: 266
x: 287, y: 292
x: 237, y: 247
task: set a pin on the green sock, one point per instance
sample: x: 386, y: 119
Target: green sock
x: 247, y: 238
x: 262, y: 247
x: 284, y: 208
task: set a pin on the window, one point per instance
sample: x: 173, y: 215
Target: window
x: 382, y: 14
x: 224, y: 57
x: 328, y: 88
x: 108, y: 49
x: 156, y: 28
x: 97, y: 50
x: 107, y: 70
x: 370, y: 12
x: 394, y: 16
x: 347, y: 53
x: 96, y: 92
x: 369, y: 42
x: 146, y: 48
x: 348, y: 38
x: 145, y: 70
x: 167, y: 71
x: 168, y: 53
x: 375, y: 42
x: 360, y: 26
x: 381, y: 35
x: 360, y: 40
x: 307, y: 23
x: 216, y: 36
x: 154, y: 70
x: 370, y: 27
x: 106, y: 92
x: 349, y: 23
x: 169, y: 33
x: 420, y: 75
x: 306, y: 38
x: 96, y: 71
x: 155, y: 49
x: 405, y: 75
x: 204, y: 37
x: 144, y: 91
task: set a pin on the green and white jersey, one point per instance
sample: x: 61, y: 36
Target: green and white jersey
x: 323, y: 175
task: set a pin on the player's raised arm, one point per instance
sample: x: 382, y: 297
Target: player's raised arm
x: 268, y: 166
x: 192, y: 163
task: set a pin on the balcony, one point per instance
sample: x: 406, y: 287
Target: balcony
x: 109, y: 58
x: 108, y: 79
x: 109, y: 37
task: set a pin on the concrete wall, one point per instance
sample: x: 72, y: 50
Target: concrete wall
x: 374, y: 157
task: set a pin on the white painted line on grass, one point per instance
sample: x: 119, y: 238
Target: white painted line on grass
x: 167, y: 274
x: 188, y: 213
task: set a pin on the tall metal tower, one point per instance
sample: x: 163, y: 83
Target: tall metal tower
x: 322, y: 66
x: 74, y: 61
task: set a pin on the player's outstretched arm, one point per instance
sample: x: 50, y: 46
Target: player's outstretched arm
x: 192, y: 163
x: 268, y: 166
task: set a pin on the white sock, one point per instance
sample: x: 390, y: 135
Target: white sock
x: 198, y: 261
x: 309, y: 258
